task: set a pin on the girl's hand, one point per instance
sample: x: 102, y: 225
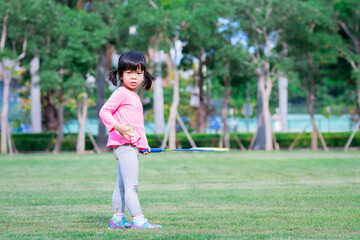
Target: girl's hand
x: 125, y: 130
x: 146, y: 152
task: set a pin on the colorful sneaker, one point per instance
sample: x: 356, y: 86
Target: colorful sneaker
x: 144, y: 225
x: 116, y: 224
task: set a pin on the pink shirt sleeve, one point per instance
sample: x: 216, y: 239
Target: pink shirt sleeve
x: 110, y: 107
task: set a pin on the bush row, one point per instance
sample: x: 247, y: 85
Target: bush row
x: 36, y: 142
x: 333, y: 140
x: 40, y: 142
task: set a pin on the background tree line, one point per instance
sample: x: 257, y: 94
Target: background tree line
x: 314, y: 44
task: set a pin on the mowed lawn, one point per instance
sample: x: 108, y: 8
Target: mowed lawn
x: 225, y: 195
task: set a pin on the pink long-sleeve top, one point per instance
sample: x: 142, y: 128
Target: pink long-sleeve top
x: 124, y: 106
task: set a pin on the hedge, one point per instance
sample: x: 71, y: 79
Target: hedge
x: 333, y: 140
x: 39, y: 142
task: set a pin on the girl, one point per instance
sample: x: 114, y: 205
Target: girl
x: 122, y: 115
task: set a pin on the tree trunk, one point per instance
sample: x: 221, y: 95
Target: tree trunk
x: 80, y: 146
x: 158, y: 95
x: 310, y: 98
x: 203, y: 109
x: 224, y: 111
x: 358, y: 123
x: 60, y: 131
x: 101, y: 83
x: 267, y: 122
x: 202, y: 117
x: 358, y: 89
x: 314, y: 142
x: 283, y: 102
x: 258, y: 140
x: 265, y: 86
x: 352, y: 136
x: 167, y: 81
x: 174, y: 105
x: 5, y: 108
x: 316, y: 132
x: 7, y: 80
x: 35, y: 95
x: 80, y: 4
x: 9, y: 139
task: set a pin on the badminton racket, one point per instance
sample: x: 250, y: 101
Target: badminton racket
x: 199, y: 149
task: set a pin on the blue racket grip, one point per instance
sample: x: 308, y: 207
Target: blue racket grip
x: 153, y: 150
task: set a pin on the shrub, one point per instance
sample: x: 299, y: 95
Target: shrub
x: 39, y: 142
x: 35, y: 142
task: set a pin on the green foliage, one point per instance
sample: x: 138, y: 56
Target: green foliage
x: 347, y: 16
x: 335, y: 140
x: 70, y: 52
x: 50, y: 80
x: 74, y: 38
x: 21, y: 24
x: 313, y: 49
x: 75, y: 85
x: 215, y: 31
x: 38, y: 142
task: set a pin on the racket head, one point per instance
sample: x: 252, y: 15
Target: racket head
x: 210, y: 149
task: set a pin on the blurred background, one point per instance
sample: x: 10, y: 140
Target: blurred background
x: 235, y: 73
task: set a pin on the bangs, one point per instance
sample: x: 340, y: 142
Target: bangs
x: 132, y: 61
x: 134, y: 67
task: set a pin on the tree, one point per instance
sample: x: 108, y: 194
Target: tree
x: 261, y: 23
x: 313, y: 44
x: 174, y: 17
x: 17, y: 27
x: 116, y: 20
x: 175, y: 13
x: 43, y: 24
x: 229, y: 63
x: 230, y: 66
x: 347, y: 16
x: 78, y: 91
x: 200, y: 39
x: 71, y: 53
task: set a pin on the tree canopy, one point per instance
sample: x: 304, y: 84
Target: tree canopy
x: 224, y: 45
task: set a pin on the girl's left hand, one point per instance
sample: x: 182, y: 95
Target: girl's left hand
x: 146, y: 152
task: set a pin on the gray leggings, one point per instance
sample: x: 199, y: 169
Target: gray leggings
x: 127, y: 180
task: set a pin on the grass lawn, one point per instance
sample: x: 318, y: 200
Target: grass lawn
x: 227, y: 195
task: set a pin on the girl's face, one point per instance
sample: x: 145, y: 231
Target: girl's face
x: 133, y: 79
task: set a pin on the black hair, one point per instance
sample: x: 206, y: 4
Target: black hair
x: 131, y: 60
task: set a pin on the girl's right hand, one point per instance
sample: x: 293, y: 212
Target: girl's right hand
x: 125, y: 130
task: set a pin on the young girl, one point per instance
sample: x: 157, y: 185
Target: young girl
x: 122, y: 115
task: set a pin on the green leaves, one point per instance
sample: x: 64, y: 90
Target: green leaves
x: 75, y: 39
x: 75, y: 85
x: 50, y: 80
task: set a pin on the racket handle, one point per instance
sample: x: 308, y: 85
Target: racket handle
x: 153, y: 150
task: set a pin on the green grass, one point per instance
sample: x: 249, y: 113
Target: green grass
x: 228, y: 195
